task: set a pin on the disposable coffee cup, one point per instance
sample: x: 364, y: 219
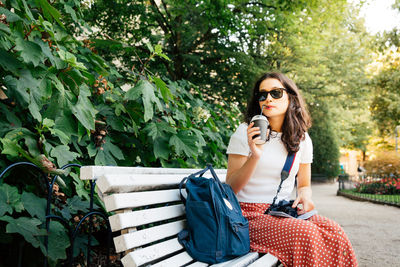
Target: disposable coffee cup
x: 262, y: 122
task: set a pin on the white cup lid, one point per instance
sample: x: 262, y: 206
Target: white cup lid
x: 259, y: 117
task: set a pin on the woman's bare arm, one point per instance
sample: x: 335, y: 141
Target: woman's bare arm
x: 240, y: 169
x: 304, y: 192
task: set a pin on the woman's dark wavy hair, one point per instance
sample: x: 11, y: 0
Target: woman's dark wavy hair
x: 297, y: 119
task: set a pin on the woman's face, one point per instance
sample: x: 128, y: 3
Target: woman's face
x: 274, y: 108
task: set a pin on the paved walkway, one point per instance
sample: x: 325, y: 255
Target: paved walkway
x: 373, y: 229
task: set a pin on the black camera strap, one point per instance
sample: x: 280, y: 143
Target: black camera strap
x: 284, y: 175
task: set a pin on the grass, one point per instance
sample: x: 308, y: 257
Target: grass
x: 394, y: 199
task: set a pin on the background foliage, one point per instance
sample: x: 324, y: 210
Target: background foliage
x: 62, y: 102
x: 146, y: 83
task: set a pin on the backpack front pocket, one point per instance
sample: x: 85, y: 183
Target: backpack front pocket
x: 204, y: 224
x: 239, y: 240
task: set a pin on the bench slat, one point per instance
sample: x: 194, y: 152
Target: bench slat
x: 142, y: 237
x: 144, y: 255
x: 177, y: 260
x: 95, y: 172
x: 239, y: 262
x: 110, y: 183
x: 138, y: 199
x: 266, y: 260
x: 198, y: 264
x: 141, y: 217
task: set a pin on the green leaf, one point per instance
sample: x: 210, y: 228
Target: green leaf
x: 146, y: 89
x: 63, y: 155
x: 165, y: 92
x: 104, y: 158
x: 158, y: 49
x: 65, y: 139
x: 161, y: 148
x: 133, y: 93
x: 28, y: 11
x: 81, y: 244
x: 84, y: 110
x: 11, y: 17
x: 75, y: 204
x: 58, y: 241
x: 183, y: 142
x: 114, y: 150
x: 70, y: 11
x: 50, y: 12
x: 32, y: 144
x: 46, y: 50
x: 200, y: 137
x: 70, y: 59
x: 11, y: 116
x: 150, y: 47
x: 34, y: 109
x: 27, y: 227
x: 35, y: 206
x: 9, y: 62
x: 25, y: 82
x: 159, y: 129
x: 5, y: 28
x: 30, y: 51
x: 92, y: 150
x: 66, y: 123
x: 66, y: 214
x: 48, y: 123
x: 10, y: 147
x: 179, y: 115
x: 57, y: 84
x: 118, y: 108
x: 80, y: 187
x: 10, y: 200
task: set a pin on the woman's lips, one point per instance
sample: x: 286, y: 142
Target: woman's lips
x: 269, y: 107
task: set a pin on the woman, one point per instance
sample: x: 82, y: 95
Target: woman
x: 254, y: 174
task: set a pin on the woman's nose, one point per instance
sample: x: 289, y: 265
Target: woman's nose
x: 269, y: 98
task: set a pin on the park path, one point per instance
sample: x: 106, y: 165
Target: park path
x: 373, y: 229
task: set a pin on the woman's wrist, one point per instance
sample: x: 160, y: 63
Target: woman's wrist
x: 254, y: 157
x: 304, y: 190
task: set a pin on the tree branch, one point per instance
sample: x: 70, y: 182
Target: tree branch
x: 206, y: 36
x: 170, y: 71
x: 166, y: 10
x: 163, y: 22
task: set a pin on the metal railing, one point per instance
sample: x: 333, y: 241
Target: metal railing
x: 72, y: 231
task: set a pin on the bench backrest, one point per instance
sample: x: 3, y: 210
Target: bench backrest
x: 148, y: 211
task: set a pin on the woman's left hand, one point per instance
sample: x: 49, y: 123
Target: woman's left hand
x: 304, y: 198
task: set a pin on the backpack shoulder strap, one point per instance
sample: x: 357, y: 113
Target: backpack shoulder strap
x: 288, y: 166
x: 183, y: 182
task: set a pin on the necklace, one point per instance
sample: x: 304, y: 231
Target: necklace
x: 274, y: 134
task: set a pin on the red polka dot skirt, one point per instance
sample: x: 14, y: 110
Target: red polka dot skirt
x: 317, y: 241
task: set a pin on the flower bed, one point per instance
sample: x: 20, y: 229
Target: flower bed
x: 381, y: 186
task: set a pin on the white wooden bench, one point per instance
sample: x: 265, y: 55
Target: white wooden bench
x: 149, y: 214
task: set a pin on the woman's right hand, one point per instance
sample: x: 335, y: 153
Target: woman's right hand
x: 256, y: 150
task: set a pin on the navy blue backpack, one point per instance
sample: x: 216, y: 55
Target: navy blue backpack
x: 216, y: 229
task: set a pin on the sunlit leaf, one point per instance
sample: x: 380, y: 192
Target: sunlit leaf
x: 27, y: 227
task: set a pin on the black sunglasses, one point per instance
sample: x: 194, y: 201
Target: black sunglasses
x: 275, y: 93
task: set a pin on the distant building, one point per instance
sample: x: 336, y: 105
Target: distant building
x: 350, y: 161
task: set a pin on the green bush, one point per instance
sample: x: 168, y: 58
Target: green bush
x: 384, y: 163
x: 326, y: 148
x: 62, y: 103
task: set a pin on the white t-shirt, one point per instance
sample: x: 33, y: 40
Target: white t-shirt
x: 262, y: 186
